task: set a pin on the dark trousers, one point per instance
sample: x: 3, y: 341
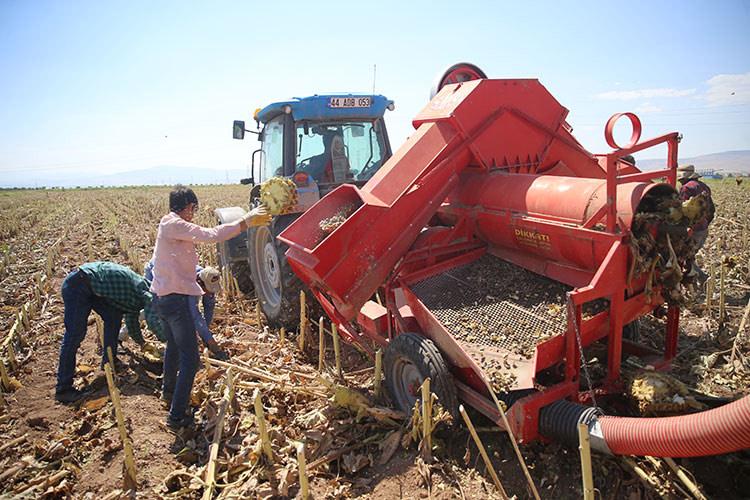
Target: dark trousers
x: 700, y: 238
x: 79, y: 300
x: 181, y: 357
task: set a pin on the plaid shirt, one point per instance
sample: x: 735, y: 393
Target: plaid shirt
x: 126, y: 291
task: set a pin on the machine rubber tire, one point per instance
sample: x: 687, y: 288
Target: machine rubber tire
x: 276, y: 286
x: 409, y: 359
x: 240, y: 270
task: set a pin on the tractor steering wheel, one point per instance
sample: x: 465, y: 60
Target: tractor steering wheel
x: 305, y: 160
x: 364, y: 174
x: 303, y: 164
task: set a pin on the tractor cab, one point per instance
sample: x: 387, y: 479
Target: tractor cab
x: 320, y: 141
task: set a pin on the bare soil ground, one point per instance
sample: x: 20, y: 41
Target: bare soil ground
x: 76, y: 451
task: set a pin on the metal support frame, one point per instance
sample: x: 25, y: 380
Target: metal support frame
x: 613, y: 180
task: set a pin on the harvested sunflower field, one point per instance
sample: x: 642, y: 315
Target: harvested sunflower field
x: 279, y: 419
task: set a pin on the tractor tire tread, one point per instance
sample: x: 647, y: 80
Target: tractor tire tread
x: 239, y: 270
x: 288, y: 314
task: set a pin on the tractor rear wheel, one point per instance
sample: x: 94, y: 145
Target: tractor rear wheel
x: 276, y: 286
x: 239, y: 269
x: 409, y: 359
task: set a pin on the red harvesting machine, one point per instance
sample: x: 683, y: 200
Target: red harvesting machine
x: 491, y: 249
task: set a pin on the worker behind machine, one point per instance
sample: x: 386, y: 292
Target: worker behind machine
x: 209, y: 280
x: 692, y: 187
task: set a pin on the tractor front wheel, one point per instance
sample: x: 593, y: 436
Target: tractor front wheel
x: 276, y: 286
x: 409, y: 359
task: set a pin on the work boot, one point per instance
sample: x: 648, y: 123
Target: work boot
x: 120, y: 366
x: 70, y: 395
x: 221, y: 355
x: 179, y: 423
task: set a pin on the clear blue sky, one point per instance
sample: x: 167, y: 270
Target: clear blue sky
x: 103, y: 87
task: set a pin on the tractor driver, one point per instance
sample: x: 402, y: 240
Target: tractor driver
x: 331, y: 165
x: 321, y: 166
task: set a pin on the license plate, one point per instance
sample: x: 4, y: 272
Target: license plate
x: 349, y: 102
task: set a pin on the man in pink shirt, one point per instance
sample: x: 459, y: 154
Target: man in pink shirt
x: 174, y: 282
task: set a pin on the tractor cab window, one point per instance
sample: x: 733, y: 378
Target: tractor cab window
x: 339, y: 152
x: 272, y: 159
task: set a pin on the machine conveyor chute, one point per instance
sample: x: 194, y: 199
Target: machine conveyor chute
x: 347, y: 244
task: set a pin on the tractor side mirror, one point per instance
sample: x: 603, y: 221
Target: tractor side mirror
x: 238, y: 130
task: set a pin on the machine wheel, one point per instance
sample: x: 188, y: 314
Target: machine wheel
x: 276, y: 286
x: 240, y: 270
x: 409, y: 359
x: 461, y: 72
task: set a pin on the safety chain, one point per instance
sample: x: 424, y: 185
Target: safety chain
x: 572, y: 314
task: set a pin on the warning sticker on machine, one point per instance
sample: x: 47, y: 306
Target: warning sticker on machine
x: 532, y: 238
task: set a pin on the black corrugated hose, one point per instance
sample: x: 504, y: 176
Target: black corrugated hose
x: 559, y: 420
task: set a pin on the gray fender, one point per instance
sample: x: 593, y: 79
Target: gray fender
x: 229, y: 214
x: 234, y: 250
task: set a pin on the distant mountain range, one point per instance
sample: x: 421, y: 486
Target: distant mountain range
x: 155, y: 176
x: 728, y: 162
x: 735, y: 162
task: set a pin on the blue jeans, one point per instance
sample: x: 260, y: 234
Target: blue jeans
x: 209, y: 305
x: 181, y: 357
x: 79, y: 300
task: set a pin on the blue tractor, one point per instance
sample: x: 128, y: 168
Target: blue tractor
x: 319, y: 142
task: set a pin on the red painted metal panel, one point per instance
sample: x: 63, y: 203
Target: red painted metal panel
x: 514, y: 125
x: 498, y: 161
x: 373, y: 319
x: 354, y: 260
